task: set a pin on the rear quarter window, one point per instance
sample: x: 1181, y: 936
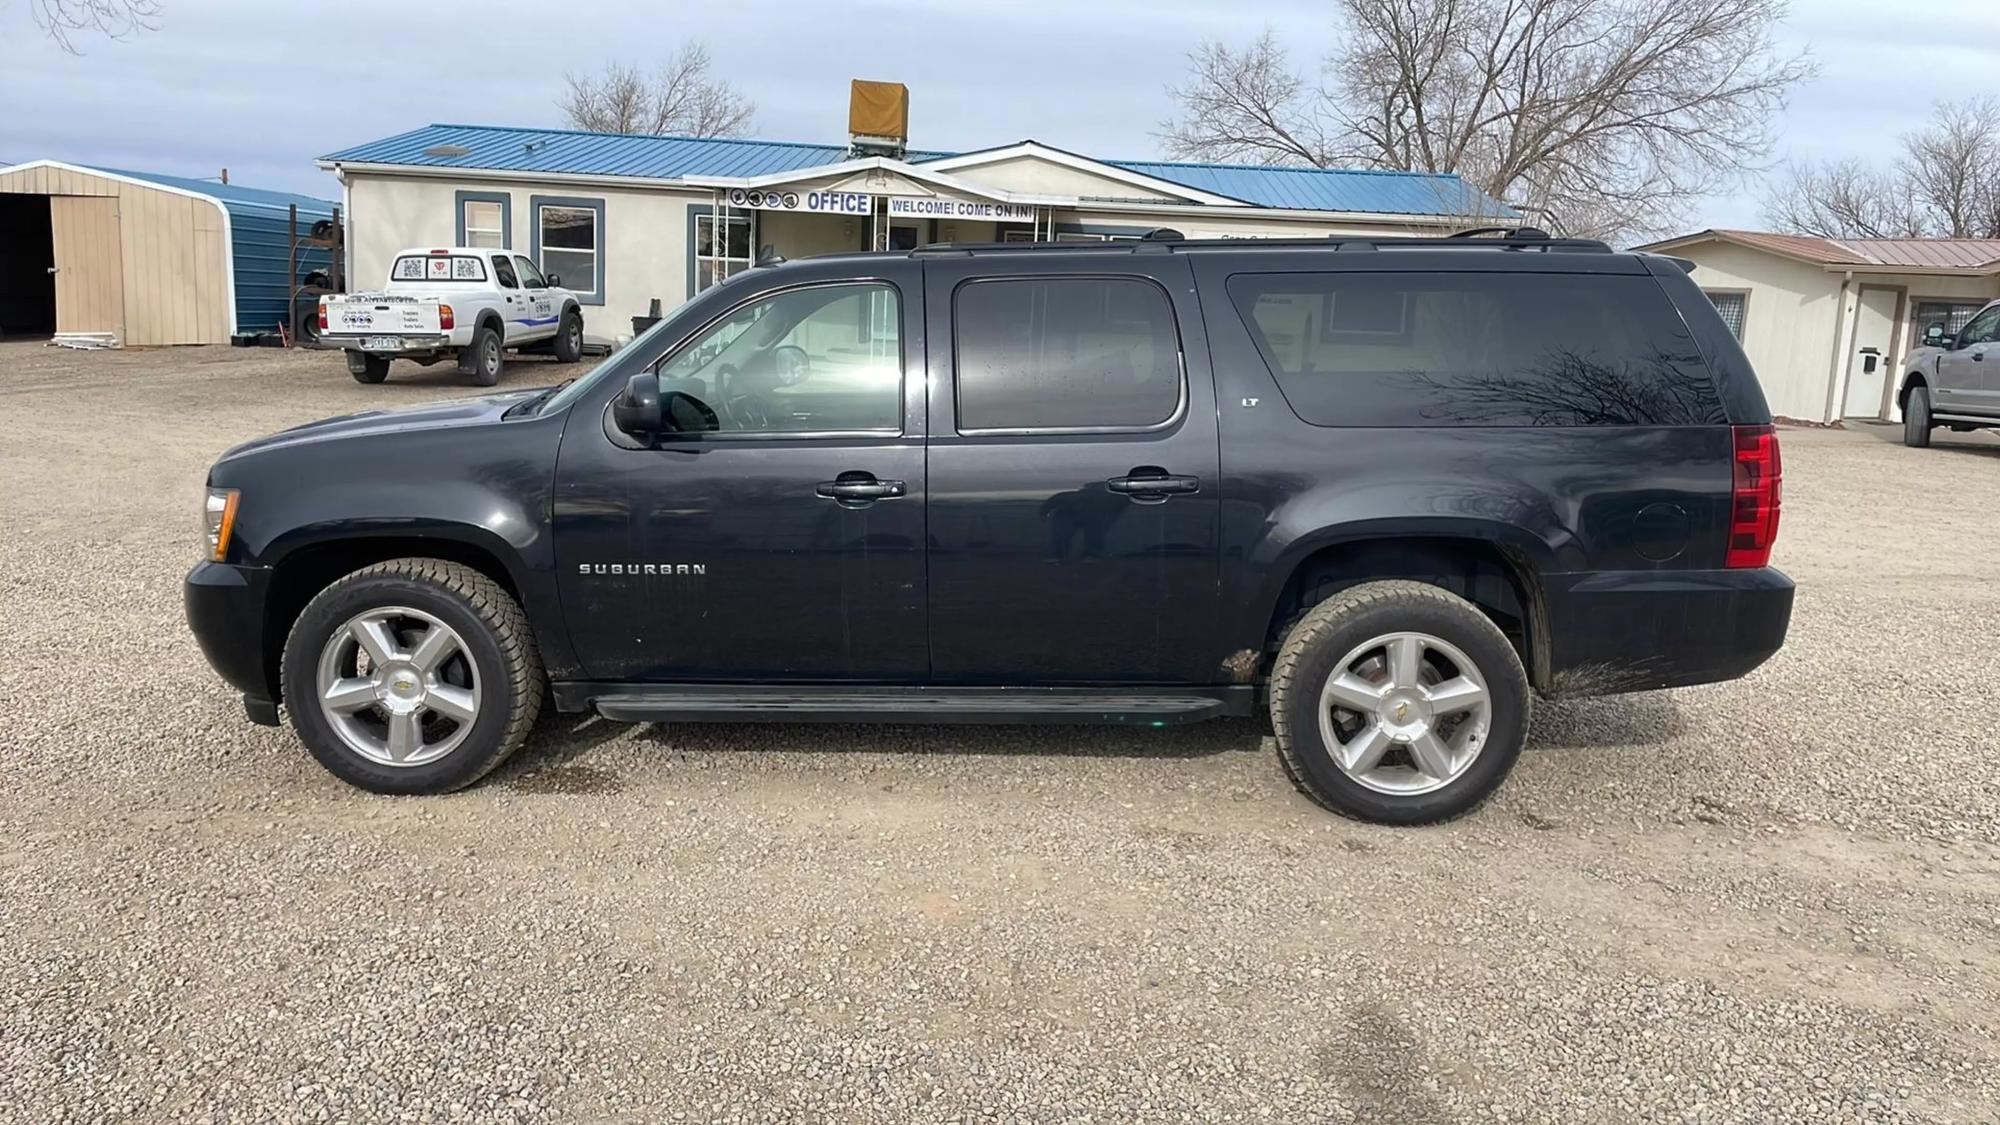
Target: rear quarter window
x: 1477, y: 349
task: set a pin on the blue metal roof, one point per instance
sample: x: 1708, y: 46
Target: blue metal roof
x: 669, y: 158
x: 260, y: 242
x: 1328, y: 189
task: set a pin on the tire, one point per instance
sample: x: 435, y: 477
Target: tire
x: 1457, y: 642
x: 482, y: 359
x: 489, y: 669
x: 1917, y: 418
x: 569, y: 338
x: 367, y: 368
x: 305, y: 321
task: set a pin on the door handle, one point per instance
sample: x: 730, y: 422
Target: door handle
x: 1979, y: 357
x: 1149, y: 483
x: 858, y: 490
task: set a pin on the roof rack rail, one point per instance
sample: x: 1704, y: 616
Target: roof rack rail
x: 1521, y: 239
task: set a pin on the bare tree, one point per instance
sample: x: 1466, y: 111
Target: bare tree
x: 1612, y: 115
x: 1946, y: 184
x: 1841, y: 199
x: 1952, y: 168
x: 681, y: 98
x: 114, y: 19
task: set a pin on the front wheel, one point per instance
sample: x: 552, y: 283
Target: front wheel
x: 1398, y: 702
x: 1917, y: 418
x: 412, y: 676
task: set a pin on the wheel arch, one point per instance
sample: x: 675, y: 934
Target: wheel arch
x: 1911, y: 381
x: 1494, y: 573
x: 306, y: 569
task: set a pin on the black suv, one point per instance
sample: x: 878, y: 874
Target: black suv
x: 1382, y: 487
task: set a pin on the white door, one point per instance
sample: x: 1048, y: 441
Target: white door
x: 1868, y: 364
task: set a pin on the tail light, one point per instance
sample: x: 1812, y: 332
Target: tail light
x: 322, y: 315
x: 445, y: 319
x: 1760, y: 487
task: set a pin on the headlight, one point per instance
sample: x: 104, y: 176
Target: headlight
x: 218, y: 515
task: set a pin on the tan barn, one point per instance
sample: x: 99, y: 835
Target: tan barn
x: 150, y: 259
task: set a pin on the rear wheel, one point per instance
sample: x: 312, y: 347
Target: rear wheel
x: 481, y: 359
x: 367, y: 368
x: 1398, y: 702
x: 412, y: 676
x: 569, y: 338
x: 1917, y: 418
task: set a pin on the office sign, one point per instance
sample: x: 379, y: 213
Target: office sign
x: 945, y: 207
x: 811, y: 202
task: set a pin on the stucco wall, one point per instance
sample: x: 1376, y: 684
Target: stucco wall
x: 1788, y: 325
x: 644, y: 241
x: 1033, y: 175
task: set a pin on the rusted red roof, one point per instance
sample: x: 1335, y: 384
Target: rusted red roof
x: 1953, y: 255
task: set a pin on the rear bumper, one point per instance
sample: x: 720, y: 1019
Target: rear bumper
x: 411, y: 343
x: 1637, y: 630
x: 225, y: 609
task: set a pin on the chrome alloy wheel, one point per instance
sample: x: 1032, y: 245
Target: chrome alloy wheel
x: 1405, y: 714
x: 398, y: 686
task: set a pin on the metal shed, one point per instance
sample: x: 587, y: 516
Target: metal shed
x: 153, y: 259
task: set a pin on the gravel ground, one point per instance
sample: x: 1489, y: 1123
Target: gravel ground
x: 1777, y: 899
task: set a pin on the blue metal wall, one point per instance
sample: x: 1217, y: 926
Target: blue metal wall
x: 260, y: 243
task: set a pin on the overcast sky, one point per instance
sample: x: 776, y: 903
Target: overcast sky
x: 263, y: 87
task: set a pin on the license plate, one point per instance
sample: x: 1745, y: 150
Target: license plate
x: 382, y: 343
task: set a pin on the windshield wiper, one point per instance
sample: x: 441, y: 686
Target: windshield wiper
x: 534, y: 405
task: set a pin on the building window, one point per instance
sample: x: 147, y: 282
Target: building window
x: 1732, y: 306
x: 718, y: 256
x: 485, y: 220
x: 482, y: 225
x: 570, y: 244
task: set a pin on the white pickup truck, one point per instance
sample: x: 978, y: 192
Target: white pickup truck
x: 461, y: 303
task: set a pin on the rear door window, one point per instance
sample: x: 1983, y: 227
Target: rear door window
x: 1092, y: 354
x: 1477, y: 349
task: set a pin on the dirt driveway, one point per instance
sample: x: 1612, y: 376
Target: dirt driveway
x: 1777, y: 899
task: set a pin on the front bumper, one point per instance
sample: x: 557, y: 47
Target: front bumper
x: 1614, y: 631
x: 225, y: 609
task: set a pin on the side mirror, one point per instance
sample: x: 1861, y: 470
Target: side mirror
x: 554, y: 279
x: 1934, y: 335
x: 636, y: 410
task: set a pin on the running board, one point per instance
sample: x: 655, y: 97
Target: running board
x: 1976, y: 419
x: 695, y: 703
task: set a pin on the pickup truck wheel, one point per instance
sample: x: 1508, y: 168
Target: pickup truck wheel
x: 1398, y: 702
x: 1917, y: 418
x: 481, y: 359
x: 569, y: 338
x: 412, y: 676
x: 367, y: 368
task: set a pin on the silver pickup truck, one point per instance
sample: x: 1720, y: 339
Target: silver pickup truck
x: 462, y: 303
x: 1953, y: 380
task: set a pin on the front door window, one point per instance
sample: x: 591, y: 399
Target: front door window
x: 816, y: 360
